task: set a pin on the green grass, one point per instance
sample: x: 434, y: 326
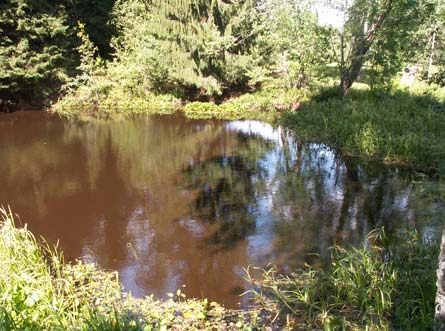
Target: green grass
x: 403, y: 127
x: 384, y: 285
x: 75, y: 106
x: 38, y: 292
x: 263, y: 105
x: 387, y: 284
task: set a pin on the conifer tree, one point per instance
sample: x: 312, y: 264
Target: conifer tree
x: 30, y: 50
x: 96, y: 16
x: 208, y: 46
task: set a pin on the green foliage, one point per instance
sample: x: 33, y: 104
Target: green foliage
x: 263, y: 105
x: 379, y: 286
x: 39, y: 292
x: 439, y: 77
x: 206, y: 49
x: 206, y: 45
x: 400, y: 41
x: 31, y: 50
x: 96, y: 17
x: 199, y: 53
x: 187, y: 48
x: 85, y: 102
x: 400, y: 127
x: 299, y: 42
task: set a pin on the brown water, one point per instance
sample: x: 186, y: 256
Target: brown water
x: 168, y: 201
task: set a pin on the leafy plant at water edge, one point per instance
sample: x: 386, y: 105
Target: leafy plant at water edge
x: 39, y: 292
x: 383, y: 285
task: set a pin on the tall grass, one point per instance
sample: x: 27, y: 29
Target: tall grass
x: 397, y: 127
x: 29, y: 299
x: 383, y: 285
x: 39, y: 292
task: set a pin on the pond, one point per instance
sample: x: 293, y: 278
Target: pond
x: 168, y: 201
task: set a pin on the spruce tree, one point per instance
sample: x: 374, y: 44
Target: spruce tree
x: 30, y: 51
x: 96, y: 16
x: 207, y: 46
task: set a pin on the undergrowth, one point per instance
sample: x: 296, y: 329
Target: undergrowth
x: 74, y: 106
x: 39, y: 292
x: 383, y: 285
x: 261, y: 105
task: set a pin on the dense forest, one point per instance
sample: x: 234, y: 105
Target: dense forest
x: 212, y: 50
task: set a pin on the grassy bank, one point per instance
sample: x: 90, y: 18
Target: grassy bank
x: 384, y: 285
x: 38, y: 292
x: 388, y: 284
x: 264, y: 105
x: 403, y: 127
x: 79, y: 105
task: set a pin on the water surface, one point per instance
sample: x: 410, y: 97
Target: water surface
x: 169, y: 201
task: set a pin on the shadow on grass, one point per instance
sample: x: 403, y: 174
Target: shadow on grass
x: 395, y: 127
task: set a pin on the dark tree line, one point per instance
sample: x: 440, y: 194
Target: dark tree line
x: 38, y: 46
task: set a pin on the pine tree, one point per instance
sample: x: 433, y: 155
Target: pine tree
x: 96, y: 16
x: 208, y: 46
x: 30, y: 50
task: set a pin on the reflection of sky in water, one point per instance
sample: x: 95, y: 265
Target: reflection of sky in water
x: 319, y: 164
x: 260, y: 243
x: 125, y: 195
x: 264, y: 130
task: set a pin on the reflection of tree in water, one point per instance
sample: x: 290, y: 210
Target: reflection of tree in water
x: 229, y: 186
x: 73, y: 180
x: 323, y: 198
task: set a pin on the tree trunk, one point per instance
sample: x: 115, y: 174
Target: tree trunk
x: 433, y: 42
x: 356, y: 66
x: 342, y: 60
x: 430, y: 60
x: 439, y: 316
x: 361, y: 46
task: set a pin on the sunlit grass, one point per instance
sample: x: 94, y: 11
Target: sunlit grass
x: 404, y: 127
x: 383, y: 285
